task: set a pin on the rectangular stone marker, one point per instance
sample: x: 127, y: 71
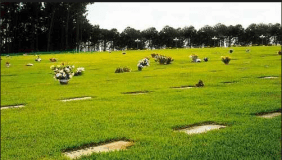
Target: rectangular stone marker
x: 114, y: 146
x: 183, y: 87
x: 270, y: 115
x: 201, y: 129
x: 269, y: 77
x: 7, y: 107
x: 75, y: 99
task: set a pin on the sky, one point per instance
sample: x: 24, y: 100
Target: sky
x: 143, y: 15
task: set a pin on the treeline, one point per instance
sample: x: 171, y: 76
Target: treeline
x: 63, y: 26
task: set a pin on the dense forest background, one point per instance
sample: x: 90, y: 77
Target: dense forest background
x: 63, y: 26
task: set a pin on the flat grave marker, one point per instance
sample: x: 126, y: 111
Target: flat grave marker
x: 16, y: 106
x: 113, y: 146
x: 201, y: 129
x: 76, y: 99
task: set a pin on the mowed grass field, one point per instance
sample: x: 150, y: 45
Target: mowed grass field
x: 46, y: 126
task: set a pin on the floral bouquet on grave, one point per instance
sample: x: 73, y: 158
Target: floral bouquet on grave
x: 231, y: 51
x: 38, y: 59
x: 62, y: 72
x: 153, y: 55
x: 225, y: 59
x: 8, y: 64
x: 279, y: 52
x: 53, y: 59
x: 122, y: 69
x: 143, y: 63
x: 194, y: 57
x: 79, y: 71
x: 163, y: 59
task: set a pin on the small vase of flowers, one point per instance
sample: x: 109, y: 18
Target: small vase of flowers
x: 143, y: 63
x: 63, y: 73
x: 193, y: 57
x: 79, y: 71
x: 225, y: 59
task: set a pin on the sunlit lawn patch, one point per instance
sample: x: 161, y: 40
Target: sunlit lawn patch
x: 46, y: 126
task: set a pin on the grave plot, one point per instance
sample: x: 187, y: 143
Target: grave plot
x: 269, y: 114
x: 228, y: 82
x: 183, y: 87
x: 15, y: 106
x: 112, y: 146
x: 268, y: 77
x: 200, y: 128
x: 76, y: 99
x: 136, y: 92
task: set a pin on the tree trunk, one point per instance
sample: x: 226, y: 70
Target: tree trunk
x: 36, y: 41
x: 67, y: 27
x: 62, y: 38
x: 104, y: 45
x: 50, y: 30
x: 77, y: 33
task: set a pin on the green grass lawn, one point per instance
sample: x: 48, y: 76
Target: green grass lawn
x: 47, y: 126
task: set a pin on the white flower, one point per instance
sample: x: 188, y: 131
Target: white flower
x: 58, y: 75
x: 67, y: 70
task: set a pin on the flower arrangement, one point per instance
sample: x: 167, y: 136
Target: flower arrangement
x: 198, y: 60
x: 231, y: 51
x: 122, y: 69
x: 225, y: 59
x: 200, y: 84
x: 29, y: 64
x: 53, y: 59
x: 8, y: 64
x: 143, y: 63
x: 38, y: 59
x: 279, y: 52
x: 62, y: 72
x: 194, y: 57
x: 153, y: 55
x: 206, y: 59
x: 163, y: 59
x: 79, y: 71
x: 247, y: 50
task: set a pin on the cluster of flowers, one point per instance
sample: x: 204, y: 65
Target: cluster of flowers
x: 38, y: 59
x: 195, y: 58
x: 53, y: 59
x: 8, y: 64
x: 122, y: 69
x: 231, y: 50
x: 279, y: 52
x: 62, y: 71
x: 225, y: 59
x: 143, y: 63
x: 79, y: 71
x: 247, y: 50
x: 163, y: 59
